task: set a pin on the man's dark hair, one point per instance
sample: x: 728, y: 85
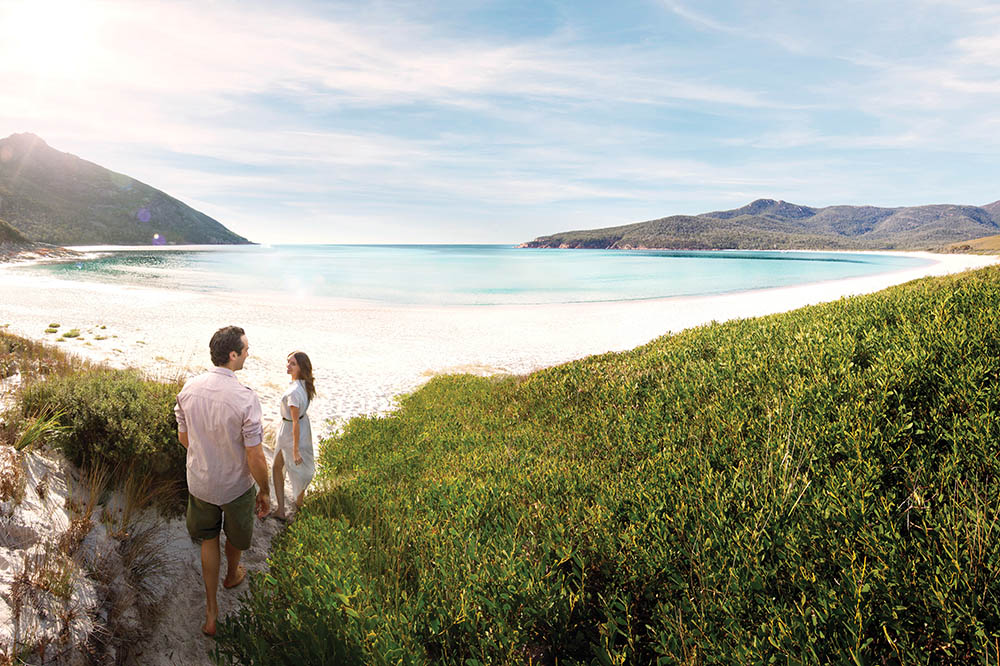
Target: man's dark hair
x: 226, y: 339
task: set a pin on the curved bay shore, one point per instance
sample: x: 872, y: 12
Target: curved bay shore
x: 366, y: 354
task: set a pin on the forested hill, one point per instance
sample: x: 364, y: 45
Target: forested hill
x: 768, y: 224
x: 54, y: 197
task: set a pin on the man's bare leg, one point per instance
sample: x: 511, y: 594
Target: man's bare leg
x: 233, y: 555
x: 210, y: 572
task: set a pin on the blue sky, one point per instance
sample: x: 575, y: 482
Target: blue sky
x: 497, y: 122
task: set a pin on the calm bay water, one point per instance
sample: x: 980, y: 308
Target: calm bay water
x: 469, y: 274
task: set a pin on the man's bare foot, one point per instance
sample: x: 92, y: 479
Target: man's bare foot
x: 232, y: 580
x: 279, y: 515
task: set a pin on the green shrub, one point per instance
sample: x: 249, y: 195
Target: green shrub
x: 816, y: 486
x: 113, y: 418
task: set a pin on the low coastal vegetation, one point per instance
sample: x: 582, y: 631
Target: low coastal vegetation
x: 116, y: 419
x: 33, y: 361
x: 814, y: 486
x: 113, y: 418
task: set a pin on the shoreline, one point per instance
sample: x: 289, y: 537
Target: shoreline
x: 366, y: 354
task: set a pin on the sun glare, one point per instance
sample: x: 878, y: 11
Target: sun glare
x: 50, y: 38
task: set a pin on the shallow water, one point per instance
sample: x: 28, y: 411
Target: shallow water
x: 469, y: 274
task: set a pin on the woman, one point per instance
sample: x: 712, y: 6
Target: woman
x: 294, y: 444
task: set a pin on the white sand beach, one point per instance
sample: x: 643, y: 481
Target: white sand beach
x: 364, y: 356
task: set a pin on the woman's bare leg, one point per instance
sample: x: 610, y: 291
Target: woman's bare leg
x: 278, y: 477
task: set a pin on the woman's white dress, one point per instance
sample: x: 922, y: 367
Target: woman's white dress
x: 299, y: 475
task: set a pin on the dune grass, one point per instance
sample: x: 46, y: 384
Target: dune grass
x: 805, y: 487
x: 34, y: 360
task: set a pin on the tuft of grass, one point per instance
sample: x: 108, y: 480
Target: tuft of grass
x: 54, y: 325
x: 41, y: 587
x: 779, y: 489
x: 72, y: 333
x: 96, y: 480
x: 140, y: 558
x: 52, y: 330
x: 55, y: 574
x: 39, y: 427
x: 13, y: 479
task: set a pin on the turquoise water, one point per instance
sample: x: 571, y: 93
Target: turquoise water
x: 470, y: 274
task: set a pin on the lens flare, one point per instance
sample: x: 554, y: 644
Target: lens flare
x: 144, y: 216
x: 159, y: 240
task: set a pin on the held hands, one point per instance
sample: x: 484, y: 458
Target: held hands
x: 263, y: 503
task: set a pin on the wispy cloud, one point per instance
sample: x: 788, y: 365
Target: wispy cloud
x: 743, y: 31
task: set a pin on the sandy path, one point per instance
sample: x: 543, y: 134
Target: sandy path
x: 177, y: 639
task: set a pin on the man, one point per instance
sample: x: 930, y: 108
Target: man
x: 218, y: 422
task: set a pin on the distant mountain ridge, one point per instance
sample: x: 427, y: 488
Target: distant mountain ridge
x: 767, y: 224
x: 54, y: 197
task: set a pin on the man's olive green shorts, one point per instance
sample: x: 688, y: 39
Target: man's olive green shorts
x: 204, y: 520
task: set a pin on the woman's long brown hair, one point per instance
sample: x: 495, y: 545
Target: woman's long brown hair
x: 305, y: 372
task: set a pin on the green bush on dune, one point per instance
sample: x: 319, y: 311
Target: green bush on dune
x: 113, y: 418
x: 806, y: 487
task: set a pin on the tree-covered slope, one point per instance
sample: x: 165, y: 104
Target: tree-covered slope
x: 811, y: 487
x: 767, y: 224
x: 54, y: 197
x: 993, y: 209
x: 10, y: 235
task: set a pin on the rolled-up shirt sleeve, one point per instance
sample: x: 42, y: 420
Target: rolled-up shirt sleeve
x: 253, y: 431
x: 179, y: 415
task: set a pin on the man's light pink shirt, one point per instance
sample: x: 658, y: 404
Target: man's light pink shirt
x: 222, y: 420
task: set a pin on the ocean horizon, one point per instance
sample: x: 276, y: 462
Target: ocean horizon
x: 474, y: 275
